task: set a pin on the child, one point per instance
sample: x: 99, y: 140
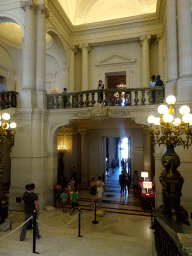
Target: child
x: 64, y: 199
x: 74, y: 200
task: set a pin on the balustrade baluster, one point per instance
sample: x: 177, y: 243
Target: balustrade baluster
x: 159, y: 94
x: 106, y: 99
x: 99, y: 97
x: 56, y: 101
x: 13, y: 100
x: 151, y: 100
x: 87, y: 99
x: 68, y: 101
x: 93, y: 98
x: 81, y: 100
x: 143, y: 98
x: 136, y: 100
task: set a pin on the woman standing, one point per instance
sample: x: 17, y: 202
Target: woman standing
x: 93, y: 190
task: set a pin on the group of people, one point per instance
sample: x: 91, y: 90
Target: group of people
x: 66, y: 191
x: 97, y: 188
x: 126, y: 181
x: 156, y: 82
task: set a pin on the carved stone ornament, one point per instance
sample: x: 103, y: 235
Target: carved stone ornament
x: 82, y: 114
x: 99, y: 111
x: 118, y: 113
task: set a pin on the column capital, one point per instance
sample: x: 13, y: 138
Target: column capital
x: 73, y: 48
x: 29, y: 3
x: 83, y: 132
x: 43, y: 10
x: 85, y: 46
x: 159, y: 37
x: 145, y: 38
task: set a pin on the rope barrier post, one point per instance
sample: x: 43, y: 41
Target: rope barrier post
x: 95, y: 221
x: 79, y: 223
x: 34, y: 231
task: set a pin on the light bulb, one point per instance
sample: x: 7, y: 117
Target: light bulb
x: 177, y: 122
x: 151, y: 119
x: 13, y: 125
x: 184, y: 110
x: 6, y: 116
x: 171, y: 99
x: 162, y: 109
x: 7, y: 126
x: 168, y: 118
x: 157, y: 121
x: 187, y: 118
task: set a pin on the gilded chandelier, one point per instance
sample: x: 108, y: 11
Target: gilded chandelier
x: 170, y: 130
x: 6, y: 130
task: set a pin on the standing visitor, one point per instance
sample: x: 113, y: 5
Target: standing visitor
x: 135, y: 183
x: 31, y: 203
x: 64, y: 200
x: 74, y: 201
x: 100, y: 189
x: 93, y: 190
x: 122, y: 183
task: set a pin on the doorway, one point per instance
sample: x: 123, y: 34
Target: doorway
x: 118, y: 154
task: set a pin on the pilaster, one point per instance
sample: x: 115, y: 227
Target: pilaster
x: 145, y: 60
x: 41, y: 57
x: 172, y: 70
x: 161, y: 61
x: 73, y: 51
x: 85, y: 66
x: 84, y: 157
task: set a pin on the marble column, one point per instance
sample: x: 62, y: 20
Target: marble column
x: 147, y: 151
x: 160, y: 50
x: 73, y: 51
x: 172, y: 71
x: 85, y: 66
x: 27, y: 96
x: 84, y: 157
x: 41, y: 57
x: 184, y: 49
x: 145, y: 60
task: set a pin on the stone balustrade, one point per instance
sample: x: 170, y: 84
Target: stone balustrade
x: 8, y: 100
x: 109, y: 97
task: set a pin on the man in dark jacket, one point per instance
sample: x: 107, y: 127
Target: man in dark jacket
x: 122, y: 182
x: 30, y: 202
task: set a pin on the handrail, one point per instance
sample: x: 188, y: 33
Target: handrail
x: 167, y: 236
x: 109, y: 97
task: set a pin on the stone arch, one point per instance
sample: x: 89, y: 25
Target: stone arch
x: 14, y: 19
x: 52, y: 31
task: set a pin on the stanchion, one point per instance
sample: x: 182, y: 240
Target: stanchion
x: 79, y: 223
x: 34, y: 231
x: 95, y: 221
x: 152, y: 227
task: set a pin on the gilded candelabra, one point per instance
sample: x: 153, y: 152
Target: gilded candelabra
x: 172, y: 131
x: 6, y: 137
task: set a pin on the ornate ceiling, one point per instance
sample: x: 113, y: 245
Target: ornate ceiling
x: 89, y: 11
x: 82, y: 12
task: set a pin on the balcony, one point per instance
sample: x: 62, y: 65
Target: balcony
x: 109, y: 97
x: 8, y: 100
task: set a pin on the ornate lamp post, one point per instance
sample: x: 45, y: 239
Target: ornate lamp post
x: 172, y: 131
x: 6, y: 137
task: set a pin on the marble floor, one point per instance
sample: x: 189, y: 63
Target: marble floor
x: 123, y: 230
